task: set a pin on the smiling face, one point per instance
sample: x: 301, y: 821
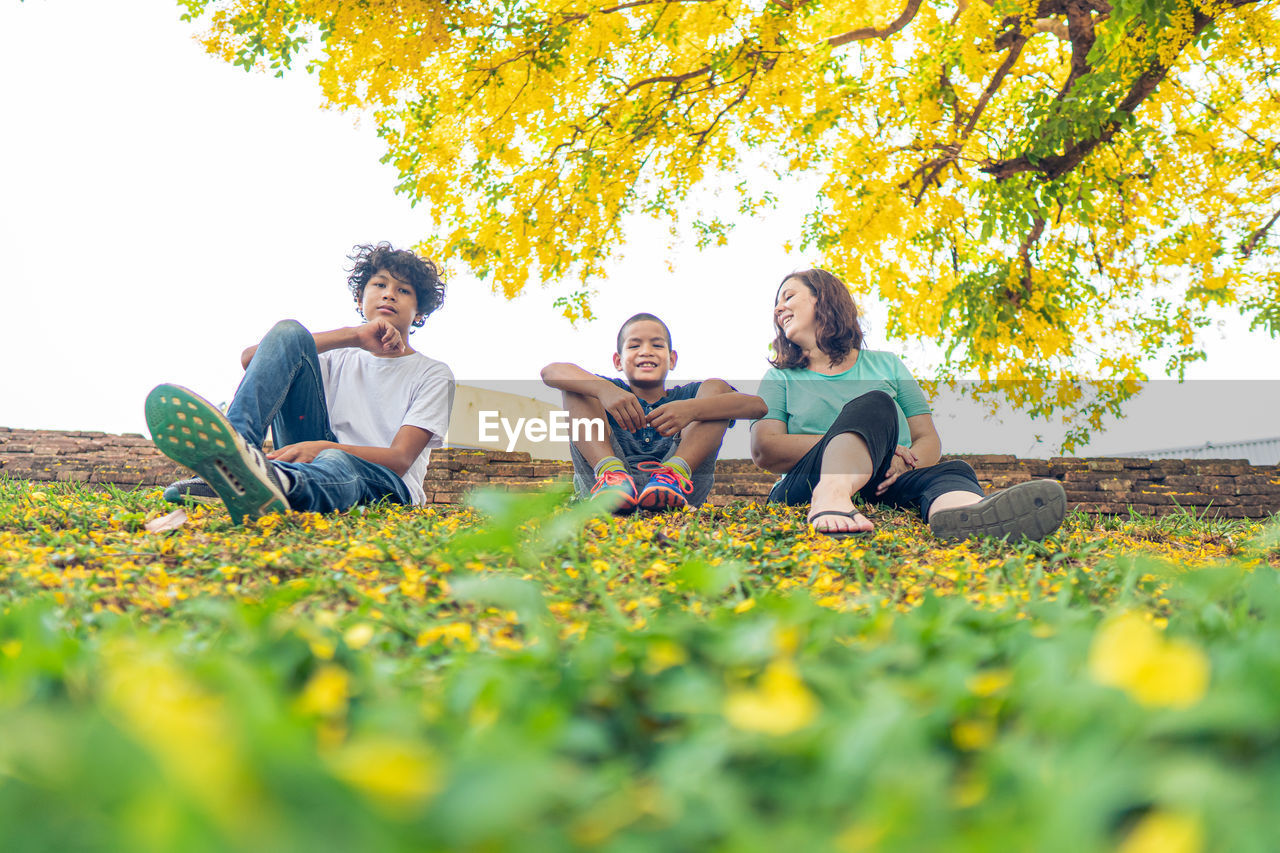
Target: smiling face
x: 646, y: 354
x: 795, y: 312
x: 390, y: 299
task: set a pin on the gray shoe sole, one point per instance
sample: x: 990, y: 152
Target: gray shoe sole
x: 1033, y: 510
x: 192, y: 432
x: 191, y: 490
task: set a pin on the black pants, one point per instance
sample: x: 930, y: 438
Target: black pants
x: 874, y: 417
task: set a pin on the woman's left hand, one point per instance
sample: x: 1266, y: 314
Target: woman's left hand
x: 903, y: 461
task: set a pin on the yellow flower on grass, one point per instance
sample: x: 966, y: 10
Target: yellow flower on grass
x: 397, y: 776
x: 1165, y: 832
x: 973, y: 734
x: 989, y: 683
x: 326, y: 692
x: 185, y: 727
x: 450, y: 633
x: 1129, y: 653
x: 779, y: 705
x: 358, y: 635
x: 361, y: 551
x: 662, y: 655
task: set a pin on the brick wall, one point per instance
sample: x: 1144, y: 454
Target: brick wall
x: 1221, y: 487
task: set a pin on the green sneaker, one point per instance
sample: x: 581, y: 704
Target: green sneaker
x: 192, y: 432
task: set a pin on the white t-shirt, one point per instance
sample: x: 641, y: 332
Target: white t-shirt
x: 370, y: 398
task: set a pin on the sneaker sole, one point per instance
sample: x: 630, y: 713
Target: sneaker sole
x: 616, y: 502
x: 660, y: 498
x: 192, y: 432
x: 1033, y: 510
x: 190, y: 499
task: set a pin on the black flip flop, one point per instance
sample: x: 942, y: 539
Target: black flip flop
x: 837, y: 534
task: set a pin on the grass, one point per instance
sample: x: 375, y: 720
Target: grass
x: 518, y: 675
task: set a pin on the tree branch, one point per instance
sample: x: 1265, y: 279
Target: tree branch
x: 953, y: 150
x: 669, y: 78
x: 1247, y: 246
x: 864, y: 33
x: 1081, y: 34
x: 1057, y: 165
x: 1024, y: 257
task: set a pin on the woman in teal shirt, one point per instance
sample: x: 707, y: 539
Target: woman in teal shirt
x: 844, y: 420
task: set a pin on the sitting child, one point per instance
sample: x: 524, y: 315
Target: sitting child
x: 671, y: 434
x: 353, y: 412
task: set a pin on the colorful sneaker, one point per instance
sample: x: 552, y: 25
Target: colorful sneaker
x: 616, y: 490
x: 666, y: 489
x: 190, y: 490
x: 1033, y: 509
x: 192, y: 432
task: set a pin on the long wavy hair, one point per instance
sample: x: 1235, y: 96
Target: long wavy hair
x: 419, y: 273
x: 834, y: 314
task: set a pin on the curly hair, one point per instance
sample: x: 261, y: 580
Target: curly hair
x: 834, y: 314
x: 419, y: 273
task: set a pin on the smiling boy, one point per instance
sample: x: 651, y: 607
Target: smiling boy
x: 354, y: 412
x: 670, y: 434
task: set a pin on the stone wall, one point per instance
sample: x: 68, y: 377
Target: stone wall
x: 1217, y: 487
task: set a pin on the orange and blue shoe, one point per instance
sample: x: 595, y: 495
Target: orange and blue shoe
x: 616, y: 490
x: 666, y: 489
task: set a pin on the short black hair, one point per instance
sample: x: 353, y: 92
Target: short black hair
x: 419, y: 273
x: 636, y: 318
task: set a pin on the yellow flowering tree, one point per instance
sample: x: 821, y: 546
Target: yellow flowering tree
x: 1051, y: 189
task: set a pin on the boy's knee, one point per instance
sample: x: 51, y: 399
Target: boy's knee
x: 711, y: 387
x: 289, y: 328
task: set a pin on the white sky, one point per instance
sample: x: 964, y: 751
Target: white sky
x: 160, y: 209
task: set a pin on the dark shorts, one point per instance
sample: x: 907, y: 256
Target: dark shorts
x: 874, y: 417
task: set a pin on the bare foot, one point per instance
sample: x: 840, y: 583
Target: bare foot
x: 835, y: 498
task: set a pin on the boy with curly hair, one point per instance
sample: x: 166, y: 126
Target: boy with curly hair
x: 671, y: 435
x: 354, y: 412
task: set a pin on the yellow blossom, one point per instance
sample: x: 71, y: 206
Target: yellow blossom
x: 989, y: 682
x: 398, y: 776
x: 326, y: 692
x: 778, y: 705
x: 1165, y: 832
x: 358, y: 636
x: 973, y: 734
x: 450, y: 633
x: 664, y: 654
x: 1129, y: 653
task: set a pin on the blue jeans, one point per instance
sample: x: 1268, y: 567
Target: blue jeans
x: 282, y: 388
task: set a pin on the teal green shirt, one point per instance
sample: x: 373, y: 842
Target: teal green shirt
x: 808, y: 402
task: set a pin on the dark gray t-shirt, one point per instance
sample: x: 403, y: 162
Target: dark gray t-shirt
x: 646, y: 444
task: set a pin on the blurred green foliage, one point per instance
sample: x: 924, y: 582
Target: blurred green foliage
x: 731, y: 717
